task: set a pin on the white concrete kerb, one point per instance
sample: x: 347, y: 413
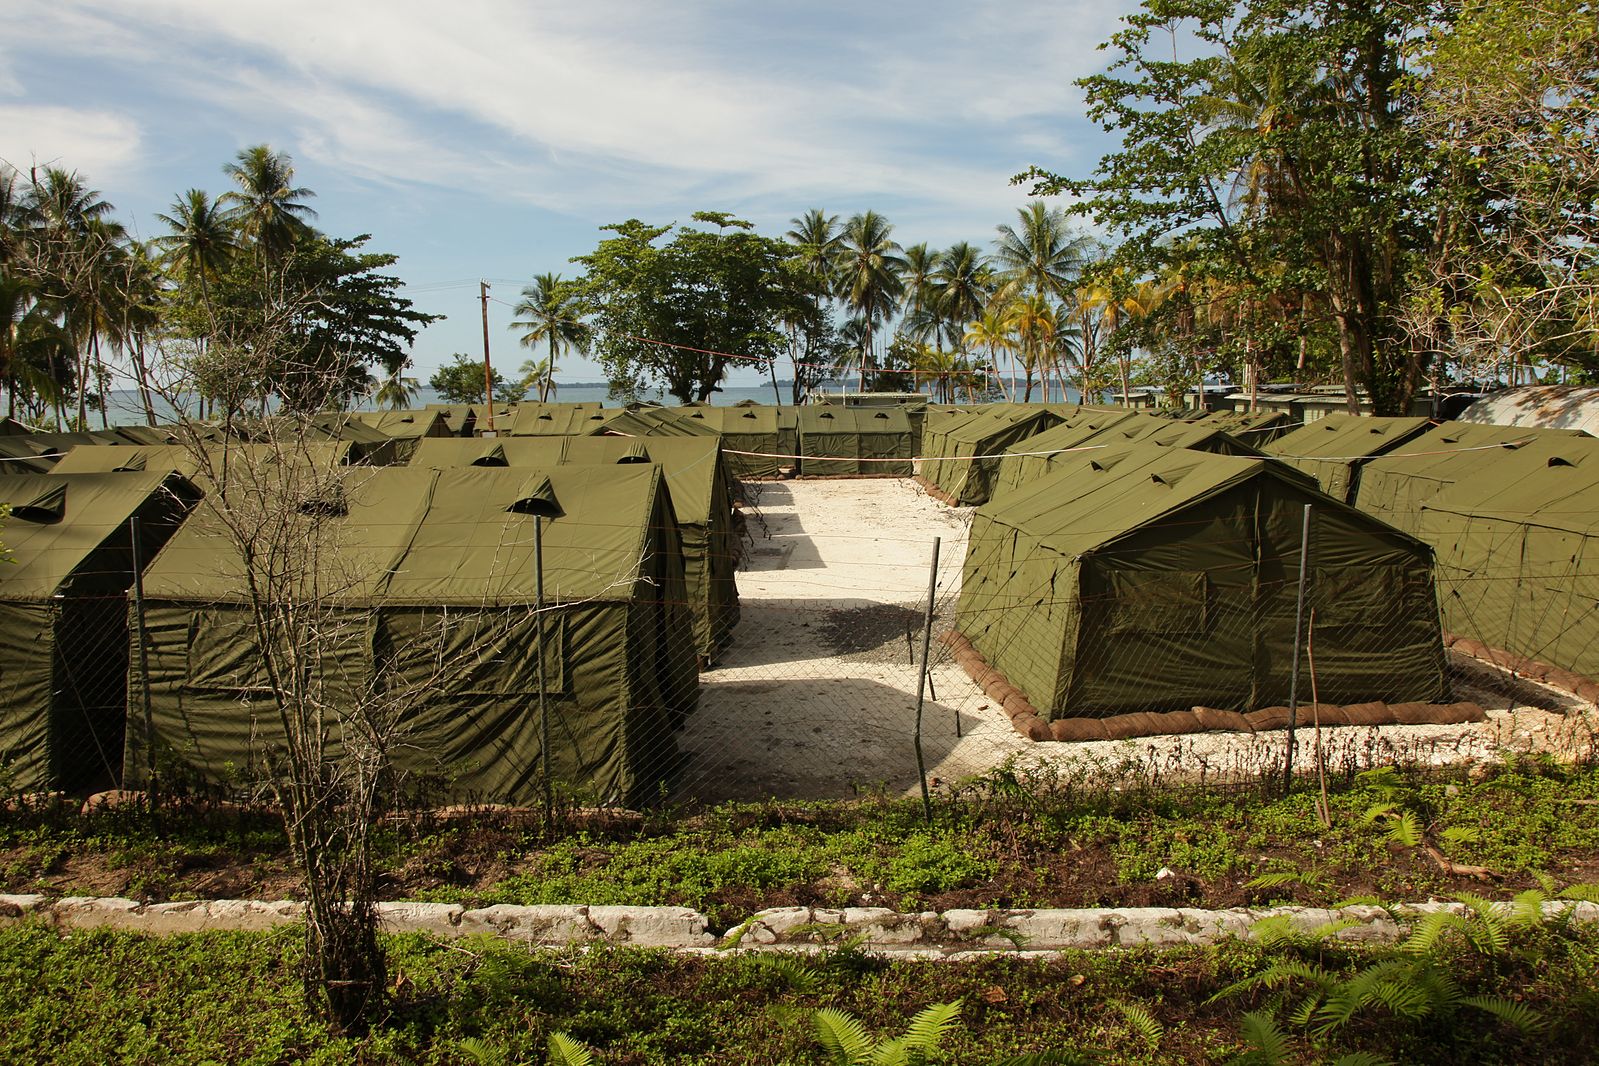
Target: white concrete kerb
x: 950, y: 934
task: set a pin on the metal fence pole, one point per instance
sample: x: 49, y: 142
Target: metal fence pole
x: 538, y: 630
x: 1299, y: 634
x: 152, y: 783
x: 921, y: 685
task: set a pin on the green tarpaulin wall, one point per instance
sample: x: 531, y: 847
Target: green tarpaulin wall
x: 1335, y: 448
x: 1152, y: 579
x: 833, y: 440
x: 1518, y: 553
x: 1394, y: 486
x: 700, y: 490
x: 961, y: 456
x: 1091, y: 431
x: 64, y: 618
x: 437, y: 572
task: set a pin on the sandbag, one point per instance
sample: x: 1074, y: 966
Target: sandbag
x: 1213, y: 719
x: 1268, y: 718
x: 1078, y: 729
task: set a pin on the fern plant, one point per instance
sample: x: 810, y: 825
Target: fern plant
x: 847, y: 1042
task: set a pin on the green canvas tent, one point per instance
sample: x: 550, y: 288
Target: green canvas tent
x: 1256, y: 429
x: 1102, y: 431
x: 853, y: 440
x: 750, y: 435
x: 405, y: 428
x: 1518, y: 553
x: 1394, y: 486
x: 701, y: 494
x: 962, y: 457
x: 64, y: 618
x: 1037, y: 455
x: 555, y: 420
x: 1157, y: 579
x: 1333, y: 449
x: 436, y: 572
x: 220, y: 458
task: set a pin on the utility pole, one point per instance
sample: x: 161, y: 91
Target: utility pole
x: 488, y: 371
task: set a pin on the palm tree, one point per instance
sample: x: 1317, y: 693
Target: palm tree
x: 553, y: 316
x: 1034, y: 321
x: 266, y: 206
x: 994, y: 332
x: 202, y: 241
x: 397, y: 392
x: 816, y: 238
x: 870, y: 269
x: 1040, y: 255
x: 962, y: 285
x: 1119, y: 301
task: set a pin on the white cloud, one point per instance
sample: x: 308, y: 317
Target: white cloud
x: 104, y: 144
x: 613, y: 105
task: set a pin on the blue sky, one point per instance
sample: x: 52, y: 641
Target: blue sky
x: 491, y: 138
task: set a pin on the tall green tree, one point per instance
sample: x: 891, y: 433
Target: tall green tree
x: 267, y: 207
x: 679, y: 315
x: 870, y: 273
x: 203, y: 240
x: 551, y: 313
x: 1354, y: 181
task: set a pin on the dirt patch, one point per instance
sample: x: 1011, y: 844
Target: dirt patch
x: 876, y: 627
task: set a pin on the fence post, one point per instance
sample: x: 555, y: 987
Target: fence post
x: 152, y: 783
x: 544, y: 712
x: 1299, y: 633
x: 921, y: 685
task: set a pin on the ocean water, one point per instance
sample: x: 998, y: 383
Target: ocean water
x: 123, y: 405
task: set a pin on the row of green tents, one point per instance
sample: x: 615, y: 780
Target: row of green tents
x: 431, y: 618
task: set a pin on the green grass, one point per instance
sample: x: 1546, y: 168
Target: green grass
x: 234, y: 998
x: 1001, y: 842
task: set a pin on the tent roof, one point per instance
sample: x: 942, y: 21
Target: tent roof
x: 825, y: 418
x: 451, y: 536
x: 403, y: 424
x: 554, y: 420
x: 1098, y: 498
x: 1554, y: 485
x: 1340, y: 436
x: 691, y: 465
x: 91, y: 458
x: 58, y: 520
x: 1079, y: 428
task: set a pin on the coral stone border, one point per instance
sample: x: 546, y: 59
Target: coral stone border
x: 929, y: 934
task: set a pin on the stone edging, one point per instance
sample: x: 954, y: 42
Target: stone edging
x: 953, y: 933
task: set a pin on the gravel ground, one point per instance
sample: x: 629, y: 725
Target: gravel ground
x: 816, y: 696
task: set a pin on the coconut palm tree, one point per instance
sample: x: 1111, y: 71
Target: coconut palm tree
x: 266, y: 207
x: 870, y: 271
x: 994, y: 332
x: 552, y: 315
x: 202, y: 241
x: 815, y: 236
x: 1034, y: 321
x: 397, y: 392
x: 962, y: 285
x: 1040, y: 255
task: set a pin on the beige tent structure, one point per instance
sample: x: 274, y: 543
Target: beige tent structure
x: 696, y: 479
x: 64, y: 618
x: 1160, y: 579
x: 1540, y: 407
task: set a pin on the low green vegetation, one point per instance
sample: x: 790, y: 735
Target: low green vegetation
x: 1002, y: 841
x: 115, y: 997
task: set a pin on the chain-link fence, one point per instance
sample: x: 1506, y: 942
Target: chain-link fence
x: 1189, y: 642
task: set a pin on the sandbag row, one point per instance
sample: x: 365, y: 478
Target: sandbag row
x: 1025, y: 719
x: 1584, y: 688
